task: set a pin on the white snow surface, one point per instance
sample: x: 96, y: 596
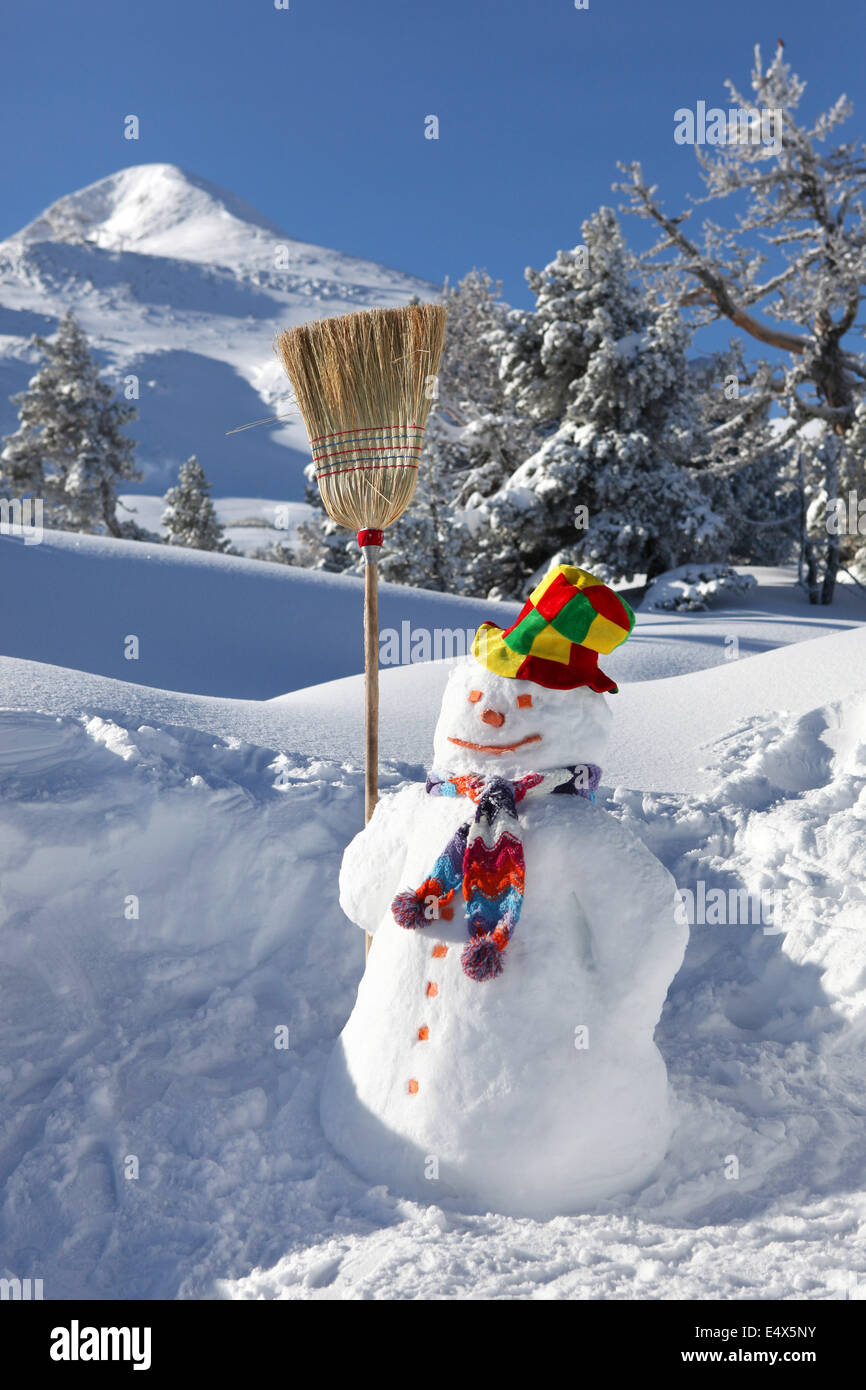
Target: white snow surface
x: 168, y: 905
x: 250, y: 523
x: 205, y: 623
x: 695, y: 587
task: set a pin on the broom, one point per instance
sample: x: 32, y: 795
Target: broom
x: 363, y: 386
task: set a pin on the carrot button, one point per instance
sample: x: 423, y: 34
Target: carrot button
x: 432, y: 989
x: 440, y: 951
x: 423, y: 1034
x: 413, y: 1087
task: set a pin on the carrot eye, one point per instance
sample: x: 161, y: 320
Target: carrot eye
x: 474, y: 697
x: 524, y: 701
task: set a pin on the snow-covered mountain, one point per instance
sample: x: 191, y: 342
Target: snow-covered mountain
x: 183, y: 285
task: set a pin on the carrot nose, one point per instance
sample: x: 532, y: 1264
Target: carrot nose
x: 492, y: 716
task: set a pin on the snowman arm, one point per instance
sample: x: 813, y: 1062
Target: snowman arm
x: 628, y: 900
x: 372, y: 866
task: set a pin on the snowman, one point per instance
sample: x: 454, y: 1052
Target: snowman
x: 501, y: 1050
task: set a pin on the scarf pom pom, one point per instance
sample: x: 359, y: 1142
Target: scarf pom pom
x: 408, y: 910
x: 482, y: 958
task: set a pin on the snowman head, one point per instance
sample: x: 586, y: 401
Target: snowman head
x: 531, y: 696
x: 497, y: 726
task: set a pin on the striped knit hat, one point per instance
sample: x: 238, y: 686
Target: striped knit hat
x: 566, y: 621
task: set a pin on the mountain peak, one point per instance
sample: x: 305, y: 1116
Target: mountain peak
x: 155, y: 209
x: 183, y: 286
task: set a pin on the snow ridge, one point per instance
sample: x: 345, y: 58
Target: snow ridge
x: 171, y: 913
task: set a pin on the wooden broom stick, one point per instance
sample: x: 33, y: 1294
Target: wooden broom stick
x: 371, y: 692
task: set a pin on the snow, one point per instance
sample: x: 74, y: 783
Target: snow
x: 153, y: 209
x: 226, y: 813
x: 694, y: 587
x: 250, y: 523
x: 180, y: 283
x: 213, y: 624
x: 695, y: 673
x: 630, y: 344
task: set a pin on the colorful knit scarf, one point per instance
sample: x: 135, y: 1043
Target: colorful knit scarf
x: 485, y: 857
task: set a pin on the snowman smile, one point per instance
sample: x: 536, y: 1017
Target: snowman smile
x: 494, y: 747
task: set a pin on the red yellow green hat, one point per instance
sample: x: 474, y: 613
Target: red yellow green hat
x: 567, y: 620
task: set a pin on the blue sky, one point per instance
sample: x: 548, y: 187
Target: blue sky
x: 315, y: 114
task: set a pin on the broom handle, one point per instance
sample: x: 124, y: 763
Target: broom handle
x: 371, y: 689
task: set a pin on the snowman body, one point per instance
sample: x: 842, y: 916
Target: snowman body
x: 539, y: 1091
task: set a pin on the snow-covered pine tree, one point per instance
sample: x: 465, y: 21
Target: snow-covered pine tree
x: 853, y: 489
x: 420, y: 548
x: 795, y: 256
x: 190, y: 516
x: 614, y: 485
x: 69, y: 448
x: 473, y: 442
x: 832, y: 471
x: 750, y: 479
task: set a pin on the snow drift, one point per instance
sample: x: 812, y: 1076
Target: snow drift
x: 207, y: 623
x: 188, y: 1030
x: 175, y: 968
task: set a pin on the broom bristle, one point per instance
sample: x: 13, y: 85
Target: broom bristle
x: 363, y: 386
